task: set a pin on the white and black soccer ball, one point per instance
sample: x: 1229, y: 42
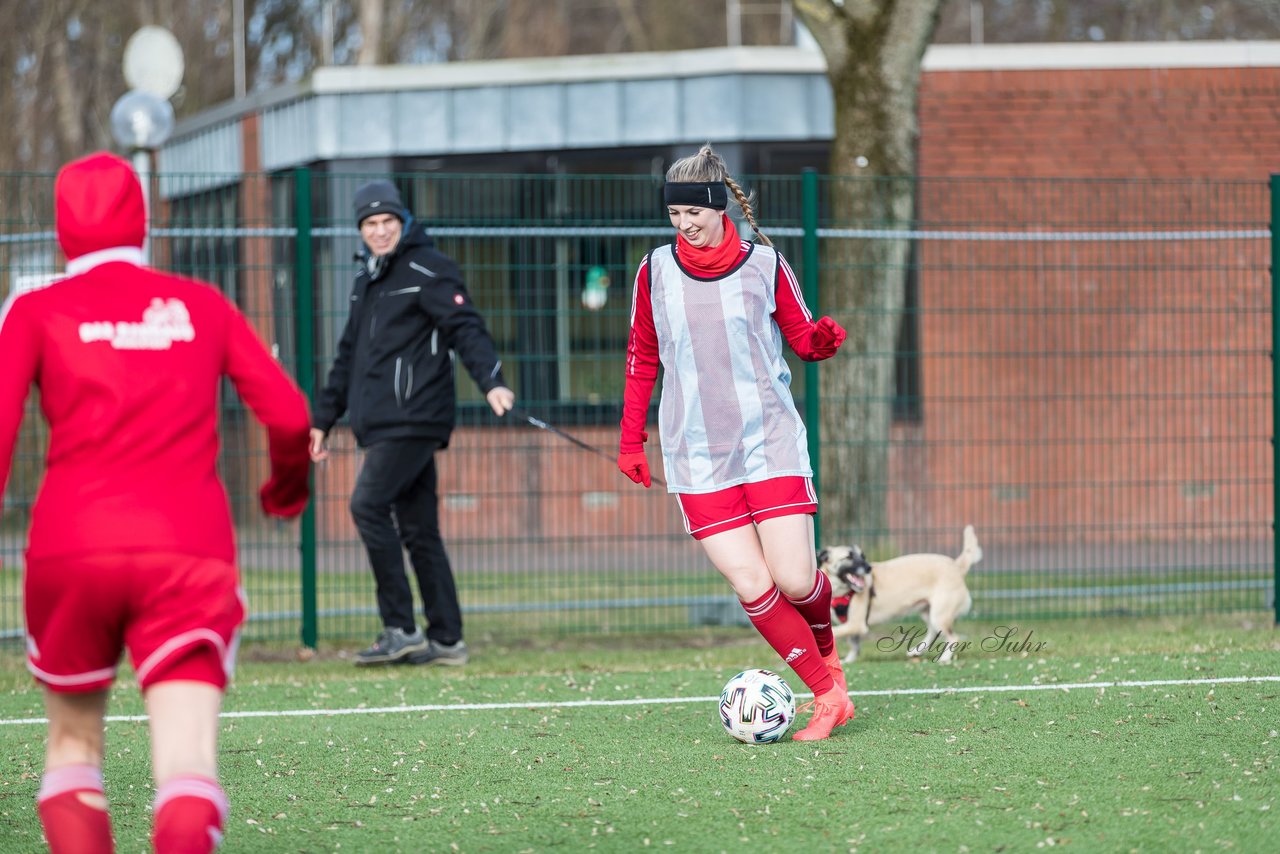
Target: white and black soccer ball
x: 757, y: 706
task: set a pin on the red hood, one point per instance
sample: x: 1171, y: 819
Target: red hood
x: 99, y: 205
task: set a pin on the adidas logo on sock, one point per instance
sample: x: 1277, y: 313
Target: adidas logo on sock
x: 795, y: 653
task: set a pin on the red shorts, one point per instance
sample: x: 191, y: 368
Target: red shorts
x: 714, y: 512
x: 177, y: 615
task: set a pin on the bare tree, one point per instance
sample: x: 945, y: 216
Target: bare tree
x: 60, y: 66
x: 370, y: 16
x: 1107, y: 20
x: 873, y: 49
x: 64, y: 70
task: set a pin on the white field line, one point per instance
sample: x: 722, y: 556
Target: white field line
x: 667, y: 701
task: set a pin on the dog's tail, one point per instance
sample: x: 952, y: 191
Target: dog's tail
x: 972, y: 551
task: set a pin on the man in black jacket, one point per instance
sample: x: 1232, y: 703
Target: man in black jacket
x: 393, y: 377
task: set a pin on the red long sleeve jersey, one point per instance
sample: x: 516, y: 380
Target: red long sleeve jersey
x: 793, y: 317
x: 128, y: 363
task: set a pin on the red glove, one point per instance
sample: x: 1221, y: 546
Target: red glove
x: 826, y: 338
x: 630, y: 447
x: 284, y: 498
x: 636, y: 467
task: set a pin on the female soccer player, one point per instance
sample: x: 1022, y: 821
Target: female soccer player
x: 131, y: 543
x: 713, y: 309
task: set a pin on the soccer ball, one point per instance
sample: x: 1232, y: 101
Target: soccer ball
x: 757, y: 707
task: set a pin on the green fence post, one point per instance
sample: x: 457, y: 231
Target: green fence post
x: 303, y: 325
x: 1275, y: 391
x: 809, y: 266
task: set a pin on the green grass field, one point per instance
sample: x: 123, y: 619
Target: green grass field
x: 506, y: 604
x: 613, y: 744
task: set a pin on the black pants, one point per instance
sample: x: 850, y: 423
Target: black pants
x: 395, y: 508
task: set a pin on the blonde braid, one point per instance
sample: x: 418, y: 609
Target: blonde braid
x: 706, y: 166
x: 744, y: 201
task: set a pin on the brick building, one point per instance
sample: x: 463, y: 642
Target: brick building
x: 1080, y: 387
x: 1117, y: 389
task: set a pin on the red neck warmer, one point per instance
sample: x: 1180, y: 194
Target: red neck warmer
x: 711, y: 260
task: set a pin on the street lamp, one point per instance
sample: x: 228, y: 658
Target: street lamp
x: 141, y: 122
x: 142, y: 119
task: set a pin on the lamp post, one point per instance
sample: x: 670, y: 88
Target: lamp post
x: 141, y: 122
x: 142, y: 119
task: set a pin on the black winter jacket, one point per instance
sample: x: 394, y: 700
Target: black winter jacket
x: 393, y: 374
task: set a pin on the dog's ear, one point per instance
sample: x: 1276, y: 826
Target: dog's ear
x: 824, y: 556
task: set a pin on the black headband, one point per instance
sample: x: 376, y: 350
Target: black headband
x: 709, y: 195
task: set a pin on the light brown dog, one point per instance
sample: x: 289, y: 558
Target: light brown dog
x: 929, y: 584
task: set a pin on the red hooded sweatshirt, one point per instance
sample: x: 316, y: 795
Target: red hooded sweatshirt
x: 128, y: 362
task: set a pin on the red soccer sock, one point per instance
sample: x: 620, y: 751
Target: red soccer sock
x: 190, y: 813
x: 781, y: 625
x: 816, y: 610
x: 73, y: 810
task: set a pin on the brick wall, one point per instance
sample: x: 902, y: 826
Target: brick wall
x: 1115, y: 390
x: 516, y: 485
x: 1095, y: 391
x: 1106, y: 123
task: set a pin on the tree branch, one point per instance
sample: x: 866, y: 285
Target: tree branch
x: 371, y: 14
x: 66, y: 95
x: 911, y: 28
x: 825, y: 21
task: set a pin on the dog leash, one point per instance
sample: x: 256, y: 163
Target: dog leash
x: 542, y: 425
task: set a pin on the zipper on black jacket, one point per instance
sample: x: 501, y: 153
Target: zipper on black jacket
x: 399, y: 399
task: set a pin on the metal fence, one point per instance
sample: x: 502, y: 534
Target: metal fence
x: 1082, y: 372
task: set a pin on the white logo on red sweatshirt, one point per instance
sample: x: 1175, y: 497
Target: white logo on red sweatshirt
x: 164, y: 322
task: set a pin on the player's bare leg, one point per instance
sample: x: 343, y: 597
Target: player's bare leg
x: 191, y: 808
x: 72, y: 803
x: 787, y: 543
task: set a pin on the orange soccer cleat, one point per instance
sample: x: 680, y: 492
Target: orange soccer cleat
x: 830, y: 710
x: 832, y: 661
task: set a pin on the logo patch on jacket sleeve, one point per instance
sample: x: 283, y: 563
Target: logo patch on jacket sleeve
x: 459, y: 299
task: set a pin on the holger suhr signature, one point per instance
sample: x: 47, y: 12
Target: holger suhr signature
x: 1004, y: 639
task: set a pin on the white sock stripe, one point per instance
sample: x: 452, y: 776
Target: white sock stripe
x: 771, y: 599
x: 814, y: 594
x: 70, y: 778
x: 193, y: 787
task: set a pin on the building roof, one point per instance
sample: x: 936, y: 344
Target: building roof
x: 1102, y: 55
x: 740, y: 94
x: 554, y: 103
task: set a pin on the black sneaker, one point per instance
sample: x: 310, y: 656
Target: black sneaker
x: 452, y: 654
x: 393, y: 645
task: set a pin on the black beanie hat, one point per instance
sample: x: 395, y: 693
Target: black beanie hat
x: 378, y: 197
